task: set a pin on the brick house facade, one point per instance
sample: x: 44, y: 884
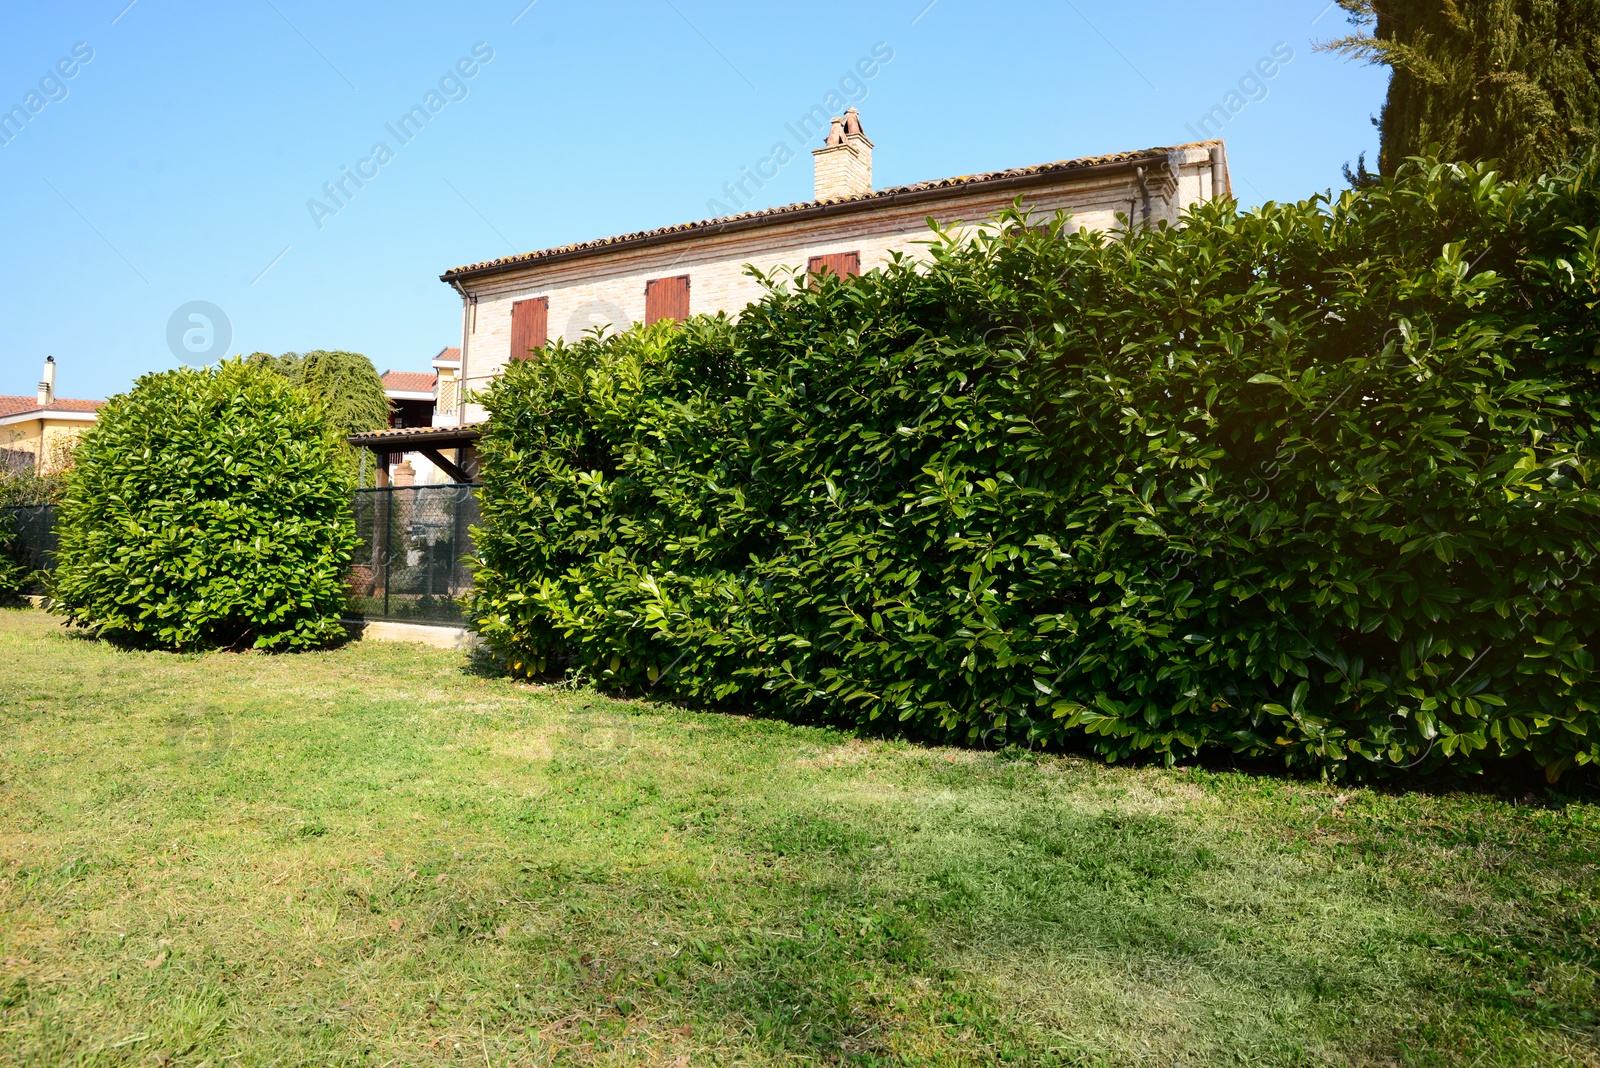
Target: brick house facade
x: 518, y: 303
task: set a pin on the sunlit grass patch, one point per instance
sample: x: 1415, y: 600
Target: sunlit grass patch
x: 375, y: 856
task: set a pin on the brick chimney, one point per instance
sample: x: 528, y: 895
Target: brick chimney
x: 844, y: 163
x: 47, y: 385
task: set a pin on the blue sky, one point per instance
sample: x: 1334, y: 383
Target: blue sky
x: 178, y: 163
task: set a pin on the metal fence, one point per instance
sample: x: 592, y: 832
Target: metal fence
x: 412, y: 563
x: 28, y: 536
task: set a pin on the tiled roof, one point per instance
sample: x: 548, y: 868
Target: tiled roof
x: 449, y: 354
x: 953, y: 187
x: 409, y: 381
x: 25, y: 405
x: 63, y: 404
x: 400, y: 437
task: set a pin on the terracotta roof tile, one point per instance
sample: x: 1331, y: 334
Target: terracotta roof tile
x: 63, y: 404
x: 412, y: 435
x: 956, y: 186
x: 25, y: 405
x: 410, y: 381
x: 449, y: 353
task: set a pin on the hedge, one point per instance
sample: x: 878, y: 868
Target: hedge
x: 207, y: 508
x: 13, y: 575
x: 1314, y: 480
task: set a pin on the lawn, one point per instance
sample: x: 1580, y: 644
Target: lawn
x: 378, y: 855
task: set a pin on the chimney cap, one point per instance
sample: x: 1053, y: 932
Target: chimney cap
x: 49, y: 359
x: 836, y: 132
x: 852, y: 123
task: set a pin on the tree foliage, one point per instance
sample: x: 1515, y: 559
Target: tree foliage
x: 1517, y: 81
x: 22, y: 485
x: 207, y: 508
x: 1314, y: 481
x: 13, y: 575
x: 344, y: 384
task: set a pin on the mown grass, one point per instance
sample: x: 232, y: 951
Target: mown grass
x: 375, y: 856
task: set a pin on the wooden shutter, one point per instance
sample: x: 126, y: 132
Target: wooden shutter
x: 842, y: 264
x: 666, y: 298
x: 530, y: 326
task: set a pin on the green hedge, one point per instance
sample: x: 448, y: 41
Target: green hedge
x: 13, y: 575
x: 1314, y: 480
x: 207, y: 508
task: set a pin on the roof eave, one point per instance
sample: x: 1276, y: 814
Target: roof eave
x: 821, y: 209
x: 400, y: 438
x: 36, y: 415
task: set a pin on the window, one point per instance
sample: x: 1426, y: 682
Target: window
x: 666, y: 298
x: 842, y: 264
x: 530, y: 326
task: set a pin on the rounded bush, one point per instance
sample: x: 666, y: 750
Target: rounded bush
x: 207, y: 508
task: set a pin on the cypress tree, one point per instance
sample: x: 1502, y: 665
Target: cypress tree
x: 1517, y: 81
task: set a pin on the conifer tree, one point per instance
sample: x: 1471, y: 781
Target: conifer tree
x: 345, y: 384
x: 1517, y: 81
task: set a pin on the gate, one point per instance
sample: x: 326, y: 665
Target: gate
x: 412, y: 562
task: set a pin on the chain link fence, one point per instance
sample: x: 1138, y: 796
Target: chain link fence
x: 412, y: 564
x: 28, y: 537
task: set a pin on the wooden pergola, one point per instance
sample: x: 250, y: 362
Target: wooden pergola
x: 430, y: 441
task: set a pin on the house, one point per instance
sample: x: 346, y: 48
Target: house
x: 514, y: 305
x: 416, y: 399
x: 37, y: 433
x: 411, y: 397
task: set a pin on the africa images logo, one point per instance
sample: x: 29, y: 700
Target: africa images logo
x: 451, y: 88
x: 52, y: 89
x: 198, y: 332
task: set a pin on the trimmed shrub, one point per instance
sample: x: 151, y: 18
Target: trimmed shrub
x: 1315, y: 480
x: 207, y: 508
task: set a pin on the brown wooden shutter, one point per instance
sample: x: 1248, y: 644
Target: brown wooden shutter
x: 530, y: 326
x: 842, y: 264
x: 666, y: 298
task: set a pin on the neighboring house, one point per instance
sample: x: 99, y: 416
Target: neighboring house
x: 37, y: 433
x: 422, y: 399
x: 447, y: 386
x: 516, y: 304
x: 411, y: 397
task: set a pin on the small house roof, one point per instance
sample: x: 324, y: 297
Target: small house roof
x: 30, y: 405
x: 409, y: 381
x: 405, y: 439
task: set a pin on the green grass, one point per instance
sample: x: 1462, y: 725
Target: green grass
x: 376, y: 856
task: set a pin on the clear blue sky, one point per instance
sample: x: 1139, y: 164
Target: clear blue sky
x: 177, y: 163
